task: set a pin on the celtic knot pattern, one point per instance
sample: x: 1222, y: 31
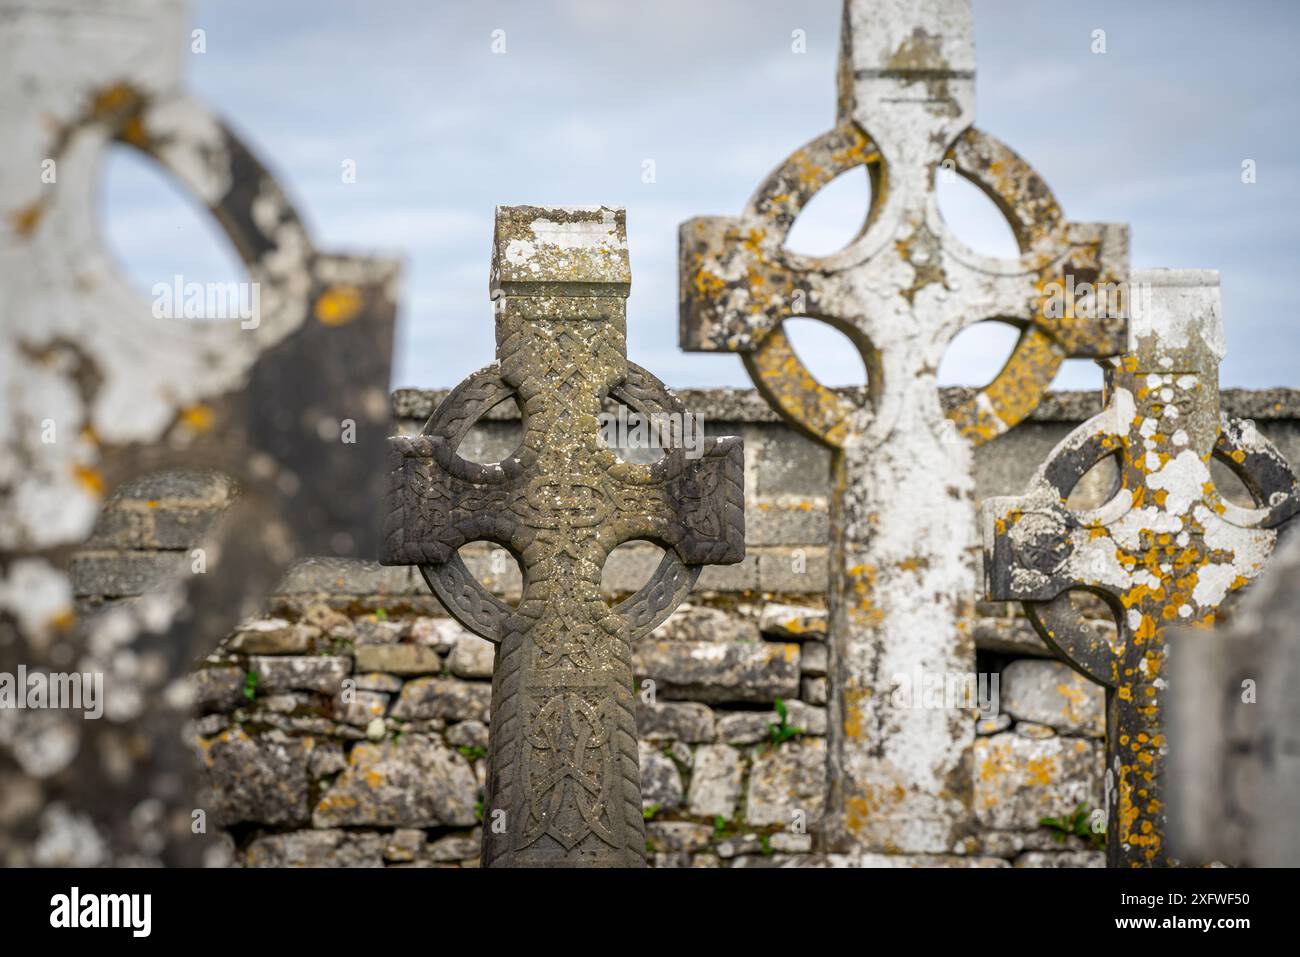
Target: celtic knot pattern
x: 563, y: 762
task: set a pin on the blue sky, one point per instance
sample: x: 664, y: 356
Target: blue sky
x: 1153, y: 132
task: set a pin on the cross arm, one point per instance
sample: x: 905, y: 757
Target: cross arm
x: 1036, y: 550
x: 438, y: 502
x: 696, y: 507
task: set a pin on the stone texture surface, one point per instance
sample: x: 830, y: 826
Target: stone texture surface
x: 702, y: 623
x: 661, y: 784
x: 443, y: 698
x: 715, y: 781
x: 814, y: 659
x: 139, y: 534
x: 563, y: 748
x: 1053, y: 694
x: 296, y: 673
x: 1168, y: 548
x: 105, y: 389
x: 1021, y: 780
x: 719, y: 671
x: 360, y: 707
x: 901, y: 562
x: 1247, y: 742
x: 472, y: 658
x: 440, y: 634
x: 399, y: 659
x: 788, y: 784
x: 324, y: 848
x: 412, y: 782
x: 687, y: 721
x: 682, y: 727
x: 1062, y: 859
x: 259, y: 780
x: 793, y: 622
x: 274, y: 637
x: 218, y: 688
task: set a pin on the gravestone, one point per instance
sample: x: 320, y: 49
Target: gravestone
x: 100, y: 390
x: 563, y: 785
x: 1166, y: 548
x: 903, y: 574
x: 1234, y: 729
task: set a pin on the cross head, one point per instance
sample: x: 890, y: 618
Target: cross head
x: 1166, y: 549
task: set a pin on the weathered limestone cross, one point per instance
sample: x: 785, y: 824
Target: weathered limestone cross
x: 903, y: 552
x: 563, y: 764
x: 1166, y: 549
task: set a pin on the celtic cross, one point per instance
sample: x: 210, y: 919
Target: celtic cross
x: 903, y: 551
x: 126, y: 392
x: 1166, y: 549
x: 563, y: 785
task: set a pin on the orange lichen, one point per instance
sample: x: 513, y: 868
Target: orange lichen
x: 338, y: 305
x: 89, y: 478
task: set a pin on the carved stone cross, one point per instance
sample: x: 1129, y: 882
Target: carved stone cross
x: 1166, y: 549
x: 903, y: 552
x: 563, y: 784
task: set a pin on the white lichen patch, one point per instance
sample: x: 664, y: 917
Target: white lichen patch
x: 37, y: 595
x: 1212, y: 584
x: 1183, y: 479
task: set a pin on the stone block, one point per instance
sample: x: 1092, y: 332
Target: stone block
x: 686, y: 721
x: 719, y: 671
x: 412, y: 782
x: 293, y: 673
x: 813, y: 690
x: 788, y: 781
x: 219, y: 688
x: 473, y: 657
x: 661, y: 784
x: 678, y: 836
x: 324, y: 848
x: 1053, y: 694
x: 715, y: 781
x: 273, y: 636
x: 701, y: 623
x: 793, y: 571
x: 124, y: 574
x: 443, y: 698
x: 793, y: 622
x: 815, y: 659
x: 1062, y: 859
x: 398, y: 659
x: 259, y: 780
x: 1019, y: 780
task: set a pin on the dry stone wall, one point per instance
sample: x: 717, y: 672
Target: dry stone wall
x: 347, y: 726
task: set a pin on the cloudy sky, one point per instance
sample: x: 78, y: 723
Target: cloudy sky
x: 441, y: 129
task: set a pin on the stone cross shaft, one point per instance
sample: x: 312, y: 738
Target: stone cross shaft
x: 563, y: 784
x: 1166, y: 549
x: 903, y: 552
